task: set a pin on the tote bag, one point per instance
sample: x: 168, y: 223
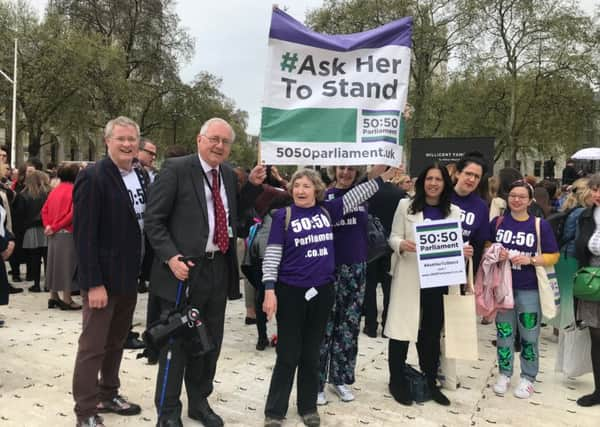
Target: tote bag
x: 460, y: 321
x: 547, y: 283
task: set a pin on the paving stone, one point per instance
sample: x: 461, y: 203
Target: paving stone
x: 38, y: 352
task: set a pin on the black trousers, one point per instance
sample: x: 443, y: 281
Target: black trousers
x: 35, y: 263
x: 208, y: 293
x: 595, y: 336
x: 428, y: 341
x: 377, y: 272
x: 300, y: 329
x: 254, y: 275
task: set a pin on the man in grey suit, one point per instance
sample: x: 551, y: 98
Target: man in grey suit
x: 192, y: 211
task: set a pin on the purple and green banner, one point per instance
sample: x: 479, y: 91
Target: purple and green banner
x: 334, y: 99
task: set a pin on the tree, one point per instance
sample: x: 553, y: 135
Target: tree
x: 560, y: 110
x: 53, y: 64
x: 537, y: 41
x: 437, y: 25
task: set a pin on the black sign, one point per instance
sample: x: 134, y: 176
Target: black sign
x: 425, y: 151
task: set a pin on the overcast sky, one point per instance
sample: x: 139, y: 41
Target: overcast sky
x: 231, y: 43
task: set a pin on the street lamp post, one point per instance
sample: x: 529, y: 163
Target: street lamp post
x: 13, y: 135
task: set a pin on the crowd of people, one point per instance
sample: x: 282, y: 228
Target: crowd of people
x: 106, y: 229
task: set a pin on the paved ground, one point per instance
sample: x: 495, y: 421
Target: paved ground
x: 37, y: 350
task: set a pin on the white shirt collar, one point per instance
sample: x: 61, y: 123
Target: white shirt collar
x: 206, y: 167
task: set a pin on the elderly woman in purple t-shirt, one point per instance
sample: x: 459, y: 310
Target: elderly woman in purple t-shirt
x: 298, y: 274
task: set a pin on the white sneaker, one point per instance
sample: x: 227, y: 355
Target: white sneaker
x: 501, y: 384
x: 321, y: 398
x: 344, y: 392
x: 525, y: 389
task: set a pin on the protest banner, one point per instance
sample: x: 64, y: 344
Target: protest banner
x: 440, y: 253
x: 334, y: 99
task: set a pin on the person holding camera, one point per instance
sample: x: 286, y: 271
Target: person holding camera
x: 193, y: 208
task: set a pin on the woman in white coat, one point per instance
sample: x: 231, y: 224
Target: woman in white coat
x: 417, y: 314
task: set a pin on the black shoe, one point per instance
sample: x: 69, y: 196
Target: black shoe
x: 141, y: 287
x: 262, y: 344
x: 1, y: 323
x: 13, y: 290
x: 401, y: 394
x: 134, y: 344
x: 35, y: 288
x: 17, y: 279
x: 118, y: 405
x: 204, y: 413
x: 589, y: 400
x: 250, y: 320
x: 54, y: 303
x: 370, y: 332
x: 169, y: 422
x: 312, y: 419
x: 439, y: 397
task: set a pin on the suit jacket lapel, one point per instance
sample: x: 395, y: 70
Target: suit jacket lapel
x: 197, y: 177
x: 231, y: 190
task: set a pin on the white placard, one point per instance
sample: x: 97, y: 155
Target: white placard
x: 440, y: 253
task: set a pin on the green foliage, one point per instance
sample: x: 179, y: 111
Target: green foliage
x: 88, y: 61
x: 525, y: 70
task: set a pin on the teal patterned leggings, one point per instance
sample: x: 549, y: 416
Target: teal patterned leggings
x: 340, y: 344
x: 526, y: 315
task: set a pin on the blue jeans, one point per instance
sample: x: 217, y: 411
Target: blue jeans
x: 526, y: 315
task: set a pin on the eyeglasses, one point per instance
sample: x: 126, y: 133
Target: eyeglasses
x: 214, y: 140
x: 152, y: 153
x: 472, y: 175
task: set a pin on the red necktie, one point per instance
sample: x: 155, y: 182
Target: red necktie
x: 220, y: 238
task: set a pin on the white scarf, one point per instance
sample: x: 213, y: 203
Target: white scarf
x: 594, y: 242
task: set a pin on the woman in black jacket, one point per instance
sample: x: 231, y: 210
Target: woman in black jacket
x: 35, y: 243
x: 587, y: 248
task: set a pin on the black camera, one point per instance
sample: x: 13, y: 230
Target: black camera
x: 184, y: 322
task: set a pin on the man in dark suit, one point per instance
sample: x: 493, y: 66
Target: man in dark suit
x: 108, y: 200
x: 192, y: 211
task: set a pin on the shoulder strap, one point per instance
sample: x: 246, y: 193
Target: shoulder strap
x: 326, y: 212
x: 537, y: 232
x: 288, y: 215
x: 499, y: 220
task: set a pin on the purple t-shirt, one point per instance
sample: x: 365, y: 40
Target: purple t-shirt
x: 350, y: 232
x: 308, y: 252
x: 474, y: 217
x: 519, y: 237
x: 432, y: 213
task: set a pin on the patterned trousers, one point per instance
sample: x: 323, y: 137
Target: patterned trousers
x: 340, y: 343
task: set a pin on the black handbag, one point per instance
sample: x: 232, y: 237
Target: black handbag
x: 377, y: 245
x: 417, y: 384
